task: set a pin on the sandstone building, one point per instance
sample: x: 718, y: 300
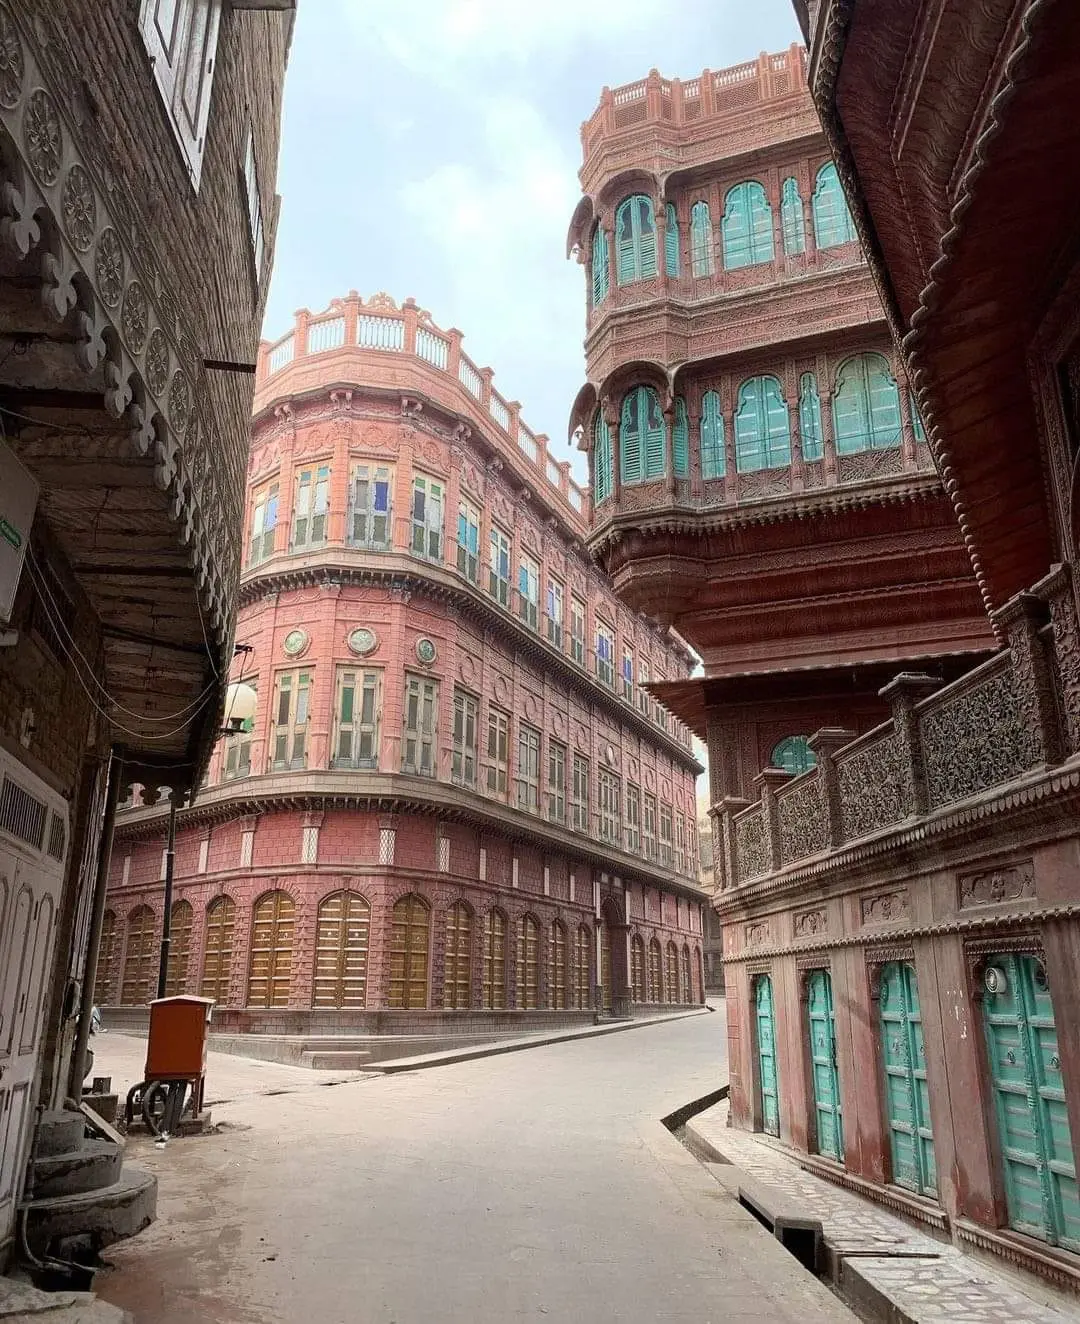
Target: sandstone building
x: 457, y: 804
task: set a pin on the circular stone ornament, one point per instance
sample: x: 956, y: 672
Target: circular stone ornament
x: 426, y: 652
x: 362, y: 641
x: 295, y: 642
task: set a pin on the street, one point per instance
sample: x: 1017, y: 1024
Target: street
x: 536, y: 1185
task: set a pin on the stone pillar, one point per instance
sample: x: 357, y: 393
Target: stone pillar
x: 669, y: 447
x: 768, y: 781
x: 825, y: 743
x: 660, y: 211
x: 611, y: 418
x: 903, y: 693
x: 1058, y: 590
x: 729, y: 806
x: 907, y: 435
x: 693, y: 419
x: 1022, y: 619
x: 828, y: 438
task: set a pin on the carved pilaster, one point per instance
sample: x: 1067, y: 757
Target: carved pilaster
x: 825, y: 744
x: 1022, y: 618
x: 731, y: 805
x: 768, y: 781
x: 903, y: 693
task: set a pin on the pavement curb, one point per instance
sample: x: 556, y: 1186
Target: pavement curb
x: 424, y: 1061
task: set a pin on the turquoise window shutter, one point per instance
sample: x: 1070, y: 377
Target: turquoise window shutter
x: 602, y: 471
x: 701, y: 258
x: 625, y: 263
x: 654, y: 432
x: 762, y: 433
x: 671, y: 242
x: 599, y: 266
x: 866, y: 406
x: 791, y: 217
x: 794, y: 755
x: 635, y: 238
x: 646, y: 226
x: 813, y: 447
x: 712, y: 436
x: 832, y: 220
x: 746, y: 230
x: 681, y: 440
x: 631, y: 465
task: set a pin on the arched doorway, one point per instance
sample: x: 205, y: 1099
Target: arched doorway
x: 108, y: 961
x: 181, y: 922
x: 457, y: 964
x: 637, y: 969
x: 217, y: 956
x: 410, y: 951
x: 495, y: 960
x: 272, y: 929
x: 557, y: 975
x: 138, y: 957
x: 528, y: 963
x: 341, y: 951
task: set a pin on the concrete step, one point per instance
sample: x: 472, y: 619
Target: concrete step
x: 93, y: 1219
x: 21, y: 1303
x: 92, y: 1166
x: 59, y: 1132
x: 338, y: 1060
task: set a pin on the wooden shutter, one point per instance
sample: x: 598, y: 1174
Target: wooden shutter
x: 671, y: 241
x: 457, y: 967
x: 625, y: 265
x: 883, y: 398
x: 810, y: 418
x: 631, y: 464
x: 599, y: 266
x: 495, y: 960
x: 272, y: 928
x: 108, y: 952
x: 646, y: 227
x: 713, y: 460
x: 735, y: 228
x: 410, y: 942
x: 341, y: 951
x: 217, y: 960
x: 681, y: 440
x: 195, y: 80
x: 701, y: 240
x: 761, y: 226
x: 180, y: 927
x: 652, y: 419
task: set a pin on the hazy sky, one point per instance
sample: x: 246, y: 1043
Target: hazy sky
x: 430, y: 148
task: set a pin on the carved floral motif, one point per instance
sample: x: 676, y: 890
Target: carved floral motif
x: 157, y: 361
x: 750, y: 845
x: 133, y: 316
x: 1067, y: 651
x: 867, y: 465
x: 802, y: 821
x: 12, y: 64
x: 875, y: 787
x: 886, y: 907
x: 79, y: 208
x: 43, y: 136
x: 179, y: 401
x: 109, y: 267
x: 806, y: 923
x: 991, y: 886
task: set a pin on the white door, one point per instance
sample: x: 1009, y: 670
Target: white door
x: 33, y: 847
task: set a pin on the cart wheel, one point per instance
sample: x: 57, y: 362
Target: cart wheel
x: 155, y: 1102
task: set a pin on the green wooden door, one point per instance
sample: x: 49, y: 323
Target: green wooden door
x: 906, y: 1094
x: 1029, y: 1096
x: 830, y: 1128
x: 766, y: 1049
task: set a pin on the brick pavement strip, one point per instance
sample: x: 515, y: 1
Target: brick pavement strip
x: 886, y: 1261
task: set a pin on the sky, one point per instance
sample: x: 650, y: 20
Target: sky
x: 431, y: 147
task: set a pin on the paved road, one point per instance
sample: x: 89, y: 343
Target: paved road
x: 537, y: 1186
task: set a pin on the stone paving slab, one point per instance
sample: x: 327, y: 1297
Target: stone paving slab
x: 887, y: 1264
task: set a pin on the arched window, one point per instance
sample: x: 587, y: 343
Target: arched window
x: 557, y: 973
x: 687, y: 976
x: 410, y: 951
x: 635, y: 239
x: 713, y: 461
x: 671, y: 241
x: 681, y: 439
x: 794, y: 755
x: 602, y: 471
x: 217, y: 956
x: 528, y: 963
x: 495, y: 960
x: 746, y: 229
x: 832, y: 220
x: 655, y: 990
x: 342, y: 932
x: 762, y: 433
x: 637, y: 969
x: 181, y: 919
x: 273, y: 923
x: 866, y: 406
x: 791, y: 217
x: 138, y: 957
x: 457, y: 967
x: 582, y: 968
x: 598, y: 265
x: 813, y: 446
x: 641, y: 436
x: 108, y: 960
x: 671, y: 971
x: 701, y: 249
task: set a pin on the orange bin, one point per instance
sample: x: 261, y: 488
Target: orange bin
x: 176, y: 1049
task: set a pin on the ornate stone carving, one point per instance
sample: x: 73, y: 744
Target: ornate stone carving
x: 867, y: 465
x: 179, y: 402
x: 1008, y: 882
x: 977, y: 738
x: 755, y: 934
x: 79, y: 208
x: 885, y: 907
x: 43, y: 136
x: 12, y: 64
x: 133, y: 316
x: 807, y: 923
x: 766, y: 483
x: 1066, y: 633
x: 751, y: 845
x: 109, y: 266
x: 875, y: 787
x: 802, y: 821
x: 157, y: 361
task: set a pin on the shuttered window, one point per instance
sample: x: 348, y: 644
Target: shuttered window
x: 794, y: 755
x: 746, y: 229
x: 582, y: 989
x: 701, y: 240
x: 654, y: 971
x: 556, y: 798
x: 217, y: 957
x: 528, y: 769
x: 813, y: 445
x: 599, y: 266
x: 468, y: 541
x: 687, y: 976
x: 457, y: 965
x: 463, y: 749
x: 641, y: 436
x: 105, y: 989
x: 671, y: 241
x: 681, y: 439
x: 356, y: 721
x: 498, y: 752
x: 181, y: 40
x: 528, y: 964
x: 637, y: 969
x: 264, y: 518
x: 369, y: 506
x: 579, y: 802
x: 671, y: 971
x: 635, y: 239
x: 273, y: 925
x: 762, y: 432
x: 292, y: 713
x: 557, y: 968
x: 181, y: 923
x: 791, y: 218
x: 713, y: 462
x: 427, y: 518
x: 494, y: 983
x: 138, y: 957
x: 602, y: 470
x: 421, y: 710
x: 529, y: 590
x: 312, y: 506
x: 832, y: 220
x: 341, y: 950
x: 410, y: 944
x: 499, y: 565
x: 866, y: 406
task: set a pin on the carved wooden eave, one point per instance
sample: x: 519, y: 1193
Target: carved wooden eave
x: 373, y: 792
x: 80, y: 276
